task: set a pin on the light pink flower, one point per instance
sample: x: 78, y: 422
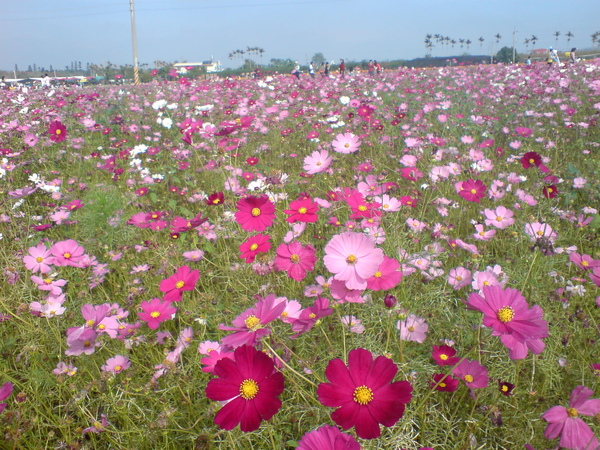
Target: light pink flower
x: 39, y: 259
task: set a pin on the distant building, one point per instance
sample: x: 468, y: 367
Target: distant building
x: 210, y: 66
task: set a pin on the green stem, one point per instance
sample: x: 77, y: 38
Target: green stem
x: 287, y: 366
x: 529, y: 271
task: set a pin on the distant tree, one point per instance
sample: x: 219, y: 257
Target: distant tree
x: 498, y: 36
x: 533, y: 40
x: 35, y: 67
x: 596, y: 38
x: 468, y: 42
x: 29, y: 69
x: 481, y: 41
x: 249, y: 65
x: 318, y: 59
x: 505, y: 55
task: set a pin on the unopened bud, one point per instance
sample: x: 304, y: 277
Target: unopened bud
x: 390, y: 301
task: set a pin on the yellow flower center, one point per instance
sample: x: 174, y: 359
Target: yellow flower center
x: 48, y: 281
x: 486, y: 283
x: 346, y: 145
x: 312, y: 315
x: 248, y: 389
x: 255, y: 212
x: 458, y: 278
x: 504, y: 388
x: 473, y: 191
x: 67, y: 255
x: 468, y: 378
x: 411, y: 328
x: 442, y: 385
x: 155, y: 314
x: 363, y: 395
x: 295, y: 258
x: 254, y: 246
x: 362, y: 208
x: 40, y: 259
x: 58, y: 131
x: 498, y: 219
x: 284, y: 314
x: 302, y: 210
x: 539, y: 233
x: 531, y: 160
x: 584, y: 263
x: 550, y: 190
x: 572, y: 412
x: 252, y: 322
x: 118, y: 368
x: 90, y: 323
x: 351, y: 259
x: 179, y: 284
x: 443, y: 357
x: 101, y: 326
x: 505, y: 314
x: 377, y: 274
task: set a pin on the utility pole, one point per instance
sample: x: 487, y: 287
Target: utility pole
x: 514, y: 44
x: 136, y: 71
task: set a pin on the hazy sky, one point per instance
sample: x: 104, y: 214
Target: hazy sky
x: 96, y: 31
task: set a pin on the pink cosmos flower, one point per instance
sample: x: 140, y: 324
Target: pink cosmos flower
x: 364, y: 393
x: 155, y: 312
x: 346, y: 143
x: 585, y: 262
x: 250, y: 385
x: 481, y: 234
x: 565, y: 422
x: 67, y: 253
x: 295, y: 259
x: 317, y: 162
x: 387, y: 275
x: 537, y: 230
x: 500, y: 218
x: 472, y: 373
x: 444, y: 383
x: 413, y: 328
x: 302, y: 210
x: 213, y: 357
x: 444, y: 355
x: 249, y: 327
x: 327, y: 438
x: 352, y: 258
x: 254, y: 245
x: 30, y: 139
x: 184, y: 279
x: 49, y: 284
x: 255, y: 213
x: 471, y: 190
x: 459, y: 277
x: 354, y: 324
x: 39, y: 259
x: 309, y: 316
x: 116, y: 364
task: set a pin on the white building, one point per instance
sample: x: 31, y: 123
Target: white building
x: 210, y: 66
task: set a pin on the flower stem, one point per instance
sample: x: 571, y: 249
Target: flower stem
x: 287, y: 366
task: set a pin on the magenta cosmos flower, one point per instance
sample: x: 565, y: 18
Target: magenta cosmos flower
x: 255, y: 213
x: 254, y: 245
x: 472, y: 373
x: 250, y: 326
x: 506, y: 311
x: 327, y: 438
x: 250, y: 385
x: 184, y: 279
x: 295, y: 259
x: 5, y: 392
x: 364, y: 393
x: 346, y: 143
x: 387, y: 276
x: 565, y: 422
x: 352, y: 258
x: 156, y: 311
x: 67, y: 253
x: 471, y: 190
x: 39, y: 259
x: 302, y: 210
x: 57, y: 131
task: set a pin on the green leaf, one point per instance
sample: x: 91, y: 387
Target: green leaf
x: 595, y: 223
x: 153, y: 197
x: 572, y: 169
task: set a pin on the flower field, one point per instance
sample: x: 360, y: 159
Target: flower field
x: 403, y: 262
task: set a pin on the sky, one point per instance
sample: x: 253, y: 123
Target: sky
x: 97, y: 31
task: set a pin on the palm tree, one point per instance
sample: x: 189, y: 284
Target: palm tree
x: 596, y: 37
x: 498, y: 37
x: 462, y: 41
x: 453, y: 41
x: 526, y: 42
x: 557, y: 34
x: 481, y: 41
x: 468, y: 42
x: 569, y: 36
x: 533, y: 40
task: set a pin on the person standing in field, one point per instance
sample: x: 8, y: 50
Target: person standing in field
x: 326, y: 69
x: 342, y: 68
x: 572, y: 56
x: 311, y: 70
x: 377, y: 67
x: 371, y: 67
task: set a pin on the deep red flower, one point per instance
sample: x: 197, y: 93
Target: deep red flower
x: 364, y: 393
x: 444, y: 383
x: 550, y: 191
x: 444, y: 355
x: 255, y: 213
x: 251, y: 386
x: 58, y: 132
x: 215, y: 199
